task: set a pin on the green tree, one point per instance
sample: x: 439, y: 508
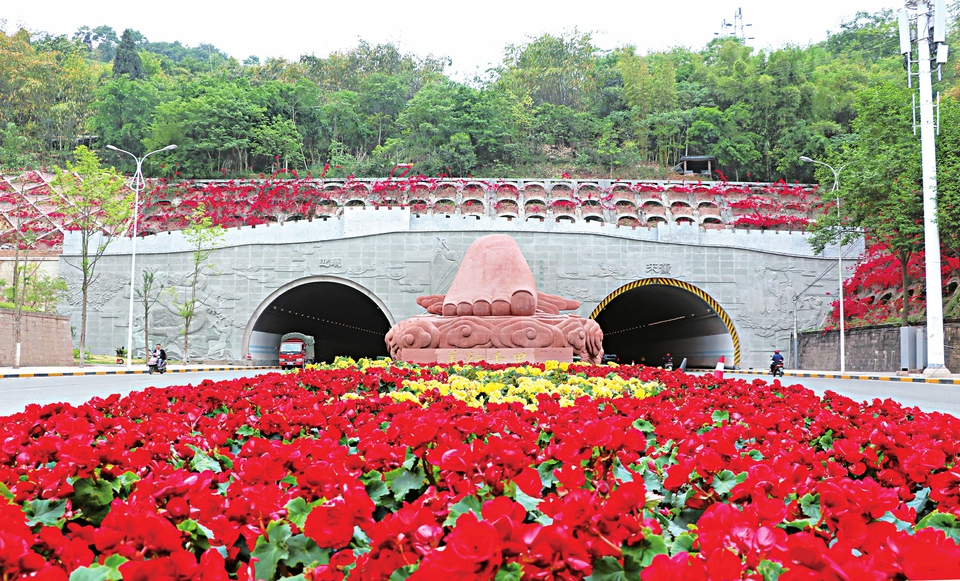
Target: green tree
x: 203, y: 237
x: 880, y: 192
x: 23, y: 239
x: 279, y: 140
x: 127, y: 61
x: 148, y: 292
x: 96, y: 208
x: 553, y: 69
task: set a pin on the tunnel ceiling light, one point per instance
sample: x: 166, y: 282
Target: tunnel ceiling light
x: 667, y: 320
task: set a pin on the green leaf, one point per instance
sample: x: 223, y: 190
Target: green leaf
x: 770, y: 570
x: 406, y: 481
x: 526, y: 501
x: 121, y: 484
x: 304, y: 551
x: 643, y: 425
x: 465, y: 505
x: 720, y: 416
x: 109, y: 571
x: 546, y: 473
x: 810, y: 506
x: 374, y: 484
x: 620, y: 472
x: 5, y: 492
x: 607, y: 569
x: 943, y: 522
x: 510, y: 572
x: 920, y: 501
x: 246, y: 430
x: 45, y: 512
x: 683, y: 543
x: 724, y: 481
x: 641, y: 555
x: 199, y: 534
x: 298, y: 510
x: 271, y: 549
x: 202, y: 462
x: 901, y: 525
x: 93, y: 498
x: 755, y: 454
x: 403, y: 573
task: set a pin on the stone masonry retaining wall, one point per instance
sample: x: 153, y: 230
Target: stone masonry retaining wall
x: 868, y: 349
x: 45, y: 339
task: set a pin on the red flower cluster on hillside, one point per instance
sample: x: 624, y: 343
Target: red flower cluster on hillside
x: 326, y: 473
x: 873, y: 294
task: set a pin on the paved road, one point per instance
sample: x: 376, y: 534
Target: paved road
x: 929, y: 397
x: 16, y: 393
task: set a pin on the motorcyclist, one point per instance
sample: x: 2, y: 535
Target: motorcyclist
x: 667, y: 361
x: 777, y: 360
x: 160, y: 354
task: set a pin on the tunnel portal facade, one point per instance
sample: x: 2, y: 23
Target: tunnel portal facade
x: 692, y: 292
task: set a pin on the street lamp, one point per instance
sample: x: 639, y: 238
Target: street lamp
x: 836, y: 186
x: 138, y: 183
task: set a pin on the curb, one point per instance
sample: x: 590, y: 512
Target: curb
x: 891, y: 378
x: 19, y: 375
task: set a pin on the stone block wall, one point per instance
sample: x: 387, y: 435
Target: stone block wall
x: 44, y: 340
x: 868, y: 349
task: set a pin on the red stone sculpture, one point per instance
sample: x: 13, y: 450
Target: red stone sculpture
x: 493, y: 303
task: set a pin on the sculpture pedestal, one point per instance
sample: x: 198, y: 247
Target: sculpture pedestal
x: 532, y: 355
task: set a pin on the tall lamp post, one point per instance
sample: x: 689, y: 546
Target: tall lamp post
x: 836, y: 186
x: 138, y: 183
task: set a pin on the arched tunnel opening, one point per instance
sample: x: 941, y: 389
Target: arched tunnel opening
x: 342, y: 320
x: 644, y: 321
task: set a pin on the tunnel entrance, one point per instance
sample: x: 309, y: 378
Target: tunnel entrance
x: 343, y: 317
x: 646, y: 319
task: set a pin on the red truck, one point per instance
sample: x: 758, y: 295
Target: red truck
x: 296, y: 350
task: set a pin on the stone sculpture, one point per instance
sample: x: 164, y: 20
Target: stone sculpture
x: 493, y: 307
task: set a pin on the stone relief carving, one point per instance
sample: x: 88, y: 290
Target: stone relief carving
x: 378, y: 269
x: 105, y: 287
x: 255, y: 273
x: 418, y: 277
x: 213, y: 327
x: 443, y: 266
x: 768, y: 302
x: 579, y: 293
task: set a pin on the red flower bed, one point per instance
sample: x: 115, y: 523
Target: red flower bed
x: 322, y: 475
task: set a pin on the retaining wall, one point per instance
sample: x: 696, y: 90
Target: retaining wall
x: 44, y: 339
x: 868, y: 349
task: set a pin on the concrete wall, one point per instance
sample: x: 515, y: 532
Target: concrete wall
x: 867, y: 349
x: 395, y: 256
x: 44, y: 339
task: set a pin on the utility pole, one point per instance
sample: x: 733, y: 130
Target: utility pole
x: 931, y: 29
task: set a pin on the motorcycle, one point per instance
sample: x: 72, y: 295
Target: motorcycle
x: 155, y: 364
x: 776, y: 368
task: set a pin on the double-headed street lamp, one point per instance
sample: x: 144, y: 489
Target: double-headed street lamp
x: 138, y: 183
x: 836, y: 186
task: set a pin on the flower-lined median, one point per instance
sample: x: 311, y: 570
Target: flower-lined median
x: 379, y: 470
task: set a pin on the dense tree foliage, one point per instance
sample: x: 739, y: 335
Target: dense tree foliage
x: 555, y: 104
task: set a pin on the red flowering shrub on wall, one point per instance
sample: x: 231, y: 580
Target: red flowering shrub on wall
x: 368, y: 472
